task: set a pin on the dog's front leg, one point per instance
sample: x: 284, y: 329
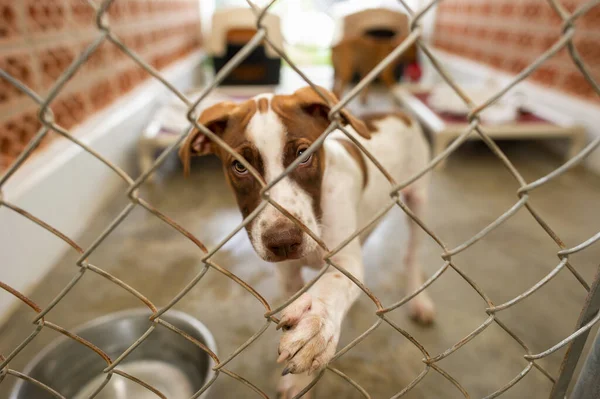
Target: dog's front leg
x: 312, y: 323
x: 421, y: 307
x: 290, y: 279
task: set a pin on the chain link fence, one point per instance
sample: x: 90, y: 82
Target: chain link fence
x: 575, y: 341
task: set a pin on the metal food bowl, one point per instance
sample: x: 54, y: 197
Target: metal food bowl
x: 165, y: 360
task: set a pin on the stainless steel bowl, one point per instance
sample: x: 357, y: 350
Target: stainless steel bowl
x: 165, y: 360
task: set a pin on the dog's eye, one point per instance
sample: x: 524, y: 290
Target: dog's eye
x: 239, y: 168
x: 305, y: 159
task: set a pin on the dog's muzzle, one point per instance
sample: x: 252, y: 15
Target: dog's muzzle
x: 283, y: 241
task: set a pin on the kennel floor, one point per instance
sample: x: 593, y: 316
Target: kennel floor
x: 469, y: 194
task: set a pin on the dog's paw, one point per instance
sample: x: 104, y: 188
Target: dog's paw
x: 310, y: 336
x: 292, y: 384
x: 422, y: 309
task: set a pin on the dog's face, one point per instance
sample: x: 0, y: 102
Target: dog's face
x: 270, y: 132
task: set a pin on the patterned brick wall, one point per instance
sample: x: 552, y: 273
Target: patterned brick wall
x: 39, y: 39
x: 509, y: 34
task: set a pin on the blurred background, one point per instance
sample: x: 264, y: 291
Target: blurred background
x: 39, y: 39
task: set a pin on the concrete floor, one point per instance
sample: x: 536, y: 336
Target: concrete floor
x: 466, y: 196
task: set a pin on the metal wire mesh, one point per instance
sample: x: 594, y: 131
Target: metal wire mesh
x: 431, y: 361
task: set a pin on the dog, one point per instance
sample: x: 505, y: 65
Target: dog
x: 360, y: 54
x: 334, y: 191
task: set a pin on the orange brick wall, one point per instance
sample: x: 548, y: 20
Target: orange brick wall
x: 510, y: 34
x: 39, y: 39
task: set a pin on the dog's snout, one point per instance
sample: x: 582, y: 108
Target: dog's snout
x: 283, y: 240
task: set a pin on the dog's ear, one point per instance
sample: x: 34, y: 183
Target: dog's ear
x: 215, y: 118
x: 313, y: 104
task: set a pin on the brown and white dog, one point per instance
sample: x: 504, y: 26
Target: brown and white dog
x: 334, y: 192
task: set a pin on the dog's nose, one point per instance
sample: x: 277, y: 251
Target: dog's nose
x: 283, y: 240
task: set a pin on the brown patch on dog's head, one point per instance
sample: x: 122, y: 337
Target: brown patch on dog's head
x: 227, y: 120
x: 312, y: 104
x: 305, y: 116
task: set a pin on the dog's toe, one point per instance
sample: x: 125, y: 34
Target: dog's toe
x: 310, y: 339
x: 294, y: 312
x: 422, y: 310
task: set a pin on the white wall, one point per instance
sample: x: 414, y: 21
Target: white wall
x: 65, y: 186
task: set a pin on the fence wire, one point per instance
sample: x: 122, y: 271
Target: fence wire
x: 430, y: 360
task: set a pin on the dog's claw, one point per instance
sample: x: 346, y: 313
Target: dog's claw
x: 286, y: 371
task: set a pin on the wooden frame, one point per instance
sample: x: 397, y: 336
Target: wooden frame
x: 444, y: 133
